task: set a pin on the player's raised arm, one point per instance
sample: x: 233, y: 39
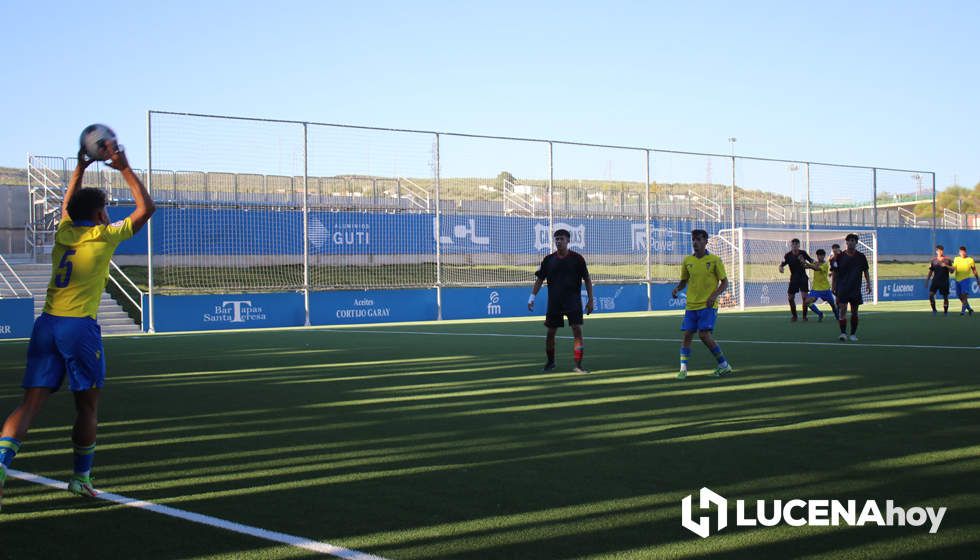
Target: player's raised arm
x: 144, y: 204
x: 75, y: 182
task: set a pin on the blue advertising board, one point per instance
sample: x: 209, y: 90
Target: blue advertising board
x: 372, y: 306
x: 16, y: 317
x: 221, y: 312
x: 511, y: 301
x: 220, y: 231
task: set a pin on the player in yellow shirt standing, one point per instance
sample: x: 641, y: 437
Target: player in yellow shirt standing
x: 66, y: 339
x: 704, y: 276
x: 962, y: 267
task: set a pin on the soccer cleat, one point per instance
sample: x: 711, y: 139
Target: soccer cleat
x: 581, y: 369
x: 853, y: 338
x: 806, y: 320
x: 842, y: 337
x: 793, y: 319
x: 550, y: 366
x: 682, y: 374
x: 82, y: 486
x: 723, y: 372
x: 970, y: 311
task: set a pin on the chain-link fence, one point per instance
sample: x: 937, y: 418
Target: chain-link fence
x: 250, y: 204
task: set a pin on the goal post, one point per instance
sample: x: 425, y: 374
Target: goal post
x: 752, y: 257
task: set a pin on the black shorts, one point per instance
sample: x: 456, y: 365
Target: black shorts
x: 558, y: 309
x: 852, y: 298
x: 798, y: 285
x: 941, y: 287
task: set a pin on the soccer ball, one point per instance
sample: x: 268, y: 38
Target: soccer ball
x: 93, y: 141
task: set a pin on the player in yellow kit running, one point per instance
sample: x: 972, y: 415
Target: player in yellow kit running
x: 67, y: 340
x: 962, y: 267
x: 821, y: 285
x: 704, y: 276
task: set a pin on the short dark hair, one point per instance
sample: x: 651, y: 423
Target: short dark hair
x: 564, y: 232
x: 962, y: 247
x: 835, y: 246
x: 851, y: 236
x: 85, y: 203
x: 940, y: 247
x: 699, y: 233
x: 794, y: 240
x: 821, y: 252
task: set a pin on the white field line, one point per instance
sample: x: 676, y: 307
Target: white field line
x: 299, y: 542
x: 672, y: 340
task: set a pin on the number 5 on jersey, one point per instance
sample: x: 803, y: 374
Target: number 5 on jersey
x: 59, y: 280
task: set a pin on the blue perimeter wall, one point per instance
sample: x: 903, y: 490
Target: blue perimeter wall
x: 348, y: 307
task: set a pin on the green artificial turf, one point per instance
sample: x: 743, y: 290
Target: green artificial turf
x: 455, y: 446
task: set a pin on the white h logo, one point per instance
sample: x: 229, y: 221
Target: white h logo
x: 702, y: 527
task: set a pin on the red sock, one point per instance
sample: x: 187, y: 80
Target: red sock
x: 579, y: 350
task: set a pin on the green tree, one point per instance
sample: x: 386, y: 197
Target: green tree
x: 505, y: 177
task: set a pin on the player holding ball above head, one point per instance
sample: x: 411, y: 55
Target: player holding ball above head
x: 67, y: 340
x: 851, y: 264
x: 703, y: 274
x: 565, y: 270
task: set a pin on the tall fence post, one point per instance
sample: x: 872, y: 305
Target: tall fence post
x: 149, y: 224
x: 551, y: 191
x: 306, y: 224
x: 438, y: 229
x: 934, y: 217
x: 646, y: 217
x: 732, y: 193
x: 874, y: 196
x: 809, y: 217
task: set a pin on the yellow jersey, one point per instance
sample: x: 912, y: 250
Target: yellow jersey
x: 80, y: 266
x: 702, y: 277
x: 820, y: 280
x: 963, y: 267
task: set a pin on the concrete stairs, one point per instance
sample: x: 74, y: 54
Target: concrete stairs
x: 112, y: 317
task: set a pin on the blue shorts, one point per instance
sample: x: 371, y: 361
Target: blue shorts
x: 700, y: 320
x: 61, y: 345
x: 964, y: 286
x: 825, y: 295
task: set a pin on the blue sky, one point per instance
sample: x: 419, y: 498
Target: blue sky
x: 880, y: 83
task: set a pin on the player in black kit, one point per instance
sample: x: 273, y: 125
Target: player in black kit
x: 564, y: 270
x: 939, y: 269
x: 851, y: 264
x: 798, y: 281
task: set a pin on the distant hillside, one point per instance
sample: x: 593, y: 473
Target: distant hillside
x: 13, y: 176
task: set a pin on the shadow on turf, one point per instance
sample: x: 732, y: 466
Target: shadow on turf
x: 564, y: 447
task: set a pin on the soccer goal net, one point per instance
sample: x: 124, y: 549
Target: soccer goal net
x: 752, y: 257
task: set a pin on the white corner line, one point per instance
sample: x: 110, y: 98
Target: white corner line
x: 291, y: 540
